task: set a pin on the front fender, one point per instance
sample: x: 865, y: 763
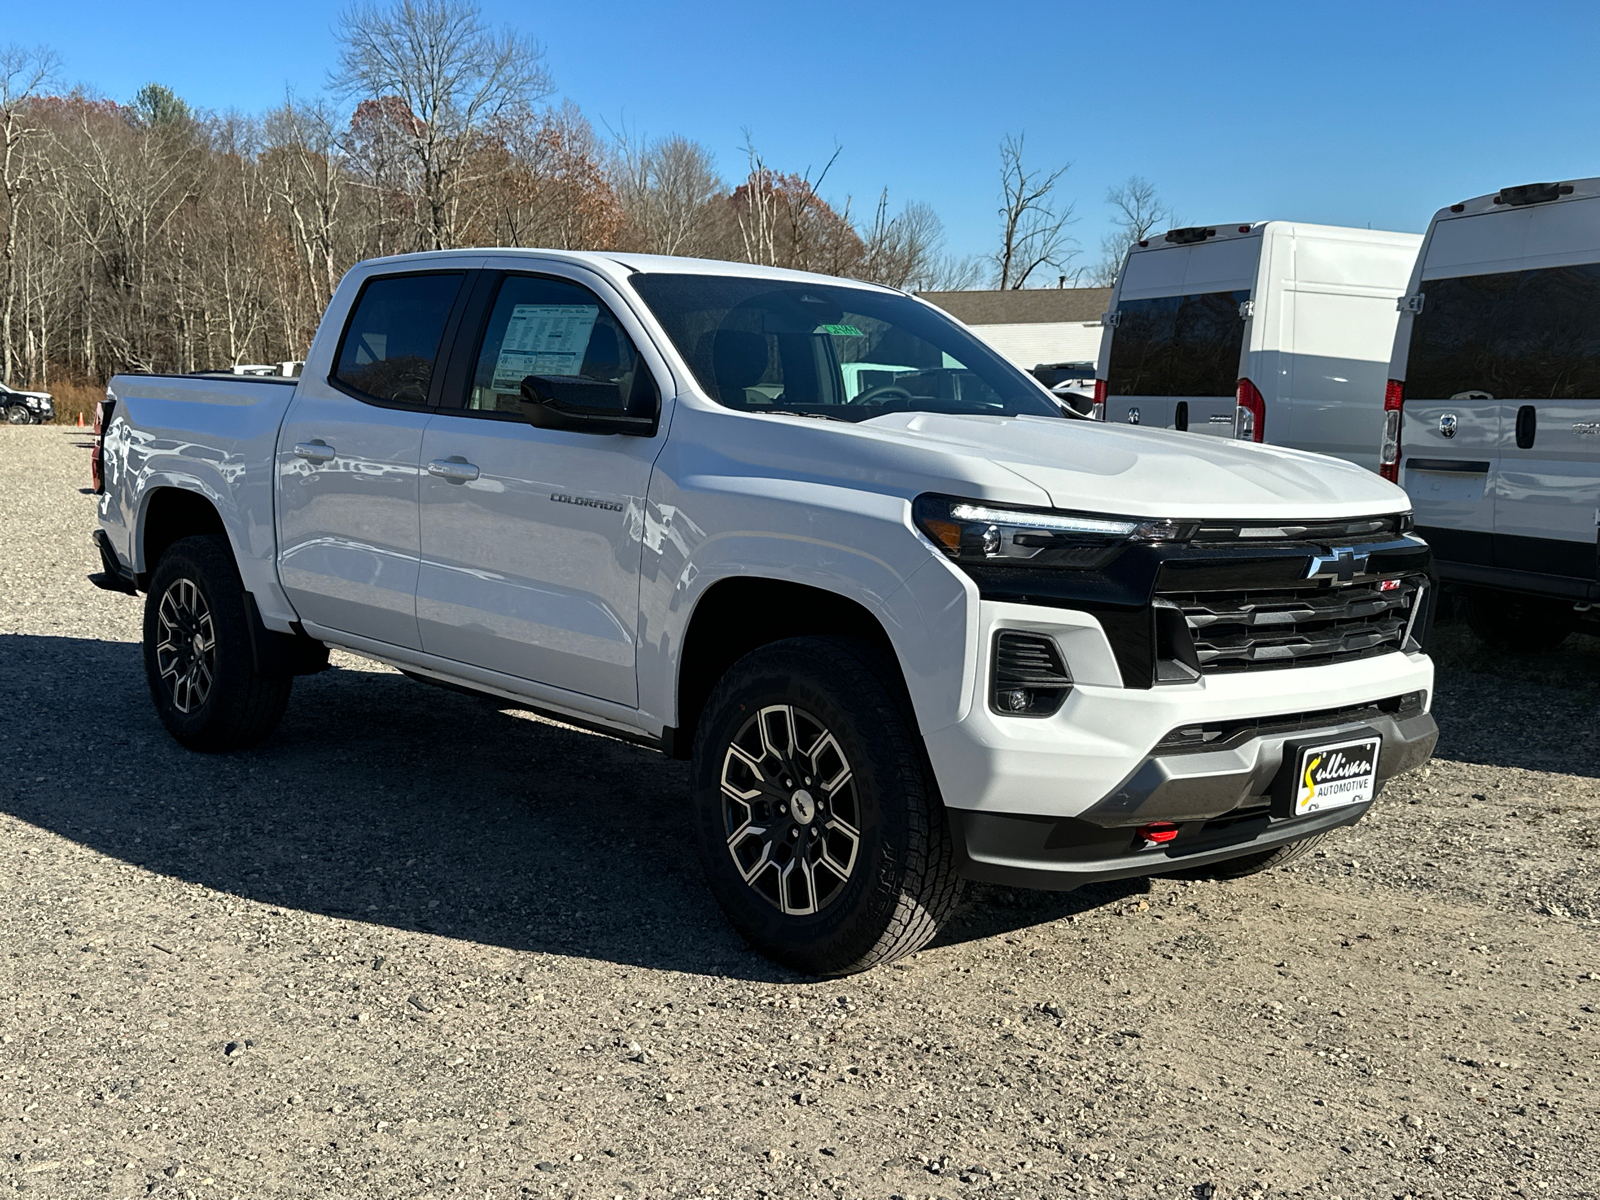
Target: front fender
x: 855, y: 544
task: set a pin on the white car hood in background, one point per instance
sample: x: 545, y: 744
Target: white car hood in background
x: 1093, y: 467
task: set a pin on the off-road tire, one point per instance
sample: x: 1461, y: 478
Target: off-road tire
x: 242, y: 706
x: 904, y: 881
x: 18, y: 414
x: 1254, y: 864
x: 1521, y: 624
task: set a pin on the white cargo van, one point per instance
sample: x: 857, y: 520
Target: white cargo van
x: 1270, y: 332
x: 1494, y: 398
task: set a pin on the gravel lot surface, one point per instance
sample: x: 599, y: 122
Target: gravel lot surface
x: 418, y: 946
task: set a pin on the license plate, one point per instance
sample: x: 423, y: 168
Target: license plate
x: 1334, y: 774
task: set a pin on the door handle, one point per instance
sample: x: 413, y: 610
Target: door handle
x: 1527, y: 426
x: 456, y: 470
x: 316, y: 450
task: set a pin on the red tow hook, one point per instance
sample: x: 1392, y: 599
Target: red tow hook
x: 1157, y: 833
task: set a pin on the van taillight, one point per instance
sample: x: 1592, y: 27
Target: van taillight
x: 1394, y: 399
x: 1249, y: 414
x: 1099, y: 412
x: 102, y: 422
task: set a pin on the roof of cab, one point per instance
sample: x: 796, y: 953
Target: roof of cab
x: 619, y: 264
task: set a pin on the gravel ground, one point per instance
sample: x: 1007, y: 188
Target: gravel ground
x: 417, y: 946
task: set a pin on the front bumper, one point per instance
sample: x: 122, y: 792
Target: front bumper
x: 1219, y: 800
x: 1054, y: 802
x: 1065, y: 764
x: 1057, y: 856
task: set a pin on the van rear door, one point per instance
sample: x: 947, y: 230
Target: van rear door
x: 1529, y: 338
x: 1177, y: 341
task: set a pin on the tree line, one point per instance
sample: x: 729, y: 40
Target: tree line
x: 151, y: 236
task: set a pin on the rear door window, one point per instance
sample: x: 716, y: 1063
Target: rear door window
x: 392, y: 341
x: 1177, y: 345
x: 1513, y: 335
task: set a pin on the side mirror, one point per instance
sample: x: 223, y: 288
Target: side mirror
x: 582, y: 405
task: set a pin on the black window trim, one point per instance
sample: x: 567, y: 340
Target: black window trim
x: 446, y: 339
x: 464, y: 354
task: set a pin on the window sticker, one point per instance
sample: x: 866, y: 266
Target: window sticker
x: 543, y: 339
x: 841, y: 330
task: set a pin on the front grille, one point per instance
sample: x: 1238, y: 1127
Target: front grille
x: 1296, y: 627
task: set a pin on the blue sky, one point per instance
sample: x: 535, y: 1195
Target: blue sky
x: 1349, y: 113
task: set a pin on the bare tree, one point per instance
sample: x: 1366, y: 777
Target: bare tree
x: 666, y: 187
x: 307, y: 173
x: 1139, y: 210
x: 453, y: 75
x: 901, y: 251
x: 23, y: 73
x: 1033, y: 225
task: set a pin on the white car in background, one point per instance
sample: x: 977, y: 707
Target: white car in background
x: 1494, y: 407
x: 1274, y: 332
x: 26, y: 408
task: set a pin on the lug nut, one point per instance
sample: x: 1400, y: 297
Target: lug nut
x: 793, y: 832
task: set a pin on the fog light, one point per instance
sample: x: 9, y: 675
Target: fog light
x: 1029, y: 679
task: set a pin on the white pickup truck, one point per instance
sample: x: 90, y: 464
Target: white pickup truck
x: 911, y: 619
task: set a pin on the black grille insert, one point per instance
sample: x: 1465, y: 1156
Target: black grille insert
x: 1298, y: 626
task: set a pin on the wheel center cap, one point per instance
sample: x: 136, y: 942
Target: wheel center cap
x: 802, y: 806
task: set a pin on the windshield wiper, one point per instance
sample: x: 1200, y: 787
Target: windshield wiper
x: 789, y: 412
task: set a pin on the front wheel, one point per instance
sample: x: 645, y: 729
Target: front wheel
x: 197, y: 654
x: 18, y: 414
x: 820, y: 828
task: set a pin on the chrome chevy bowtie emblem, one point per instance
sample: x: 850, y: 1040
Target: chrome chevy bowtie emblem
x: 1341, y: 563
x: 1447, y: 425
x: 1133, y: 416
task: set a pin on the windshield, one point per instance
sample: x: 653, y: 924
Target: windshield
x: 762, y: 345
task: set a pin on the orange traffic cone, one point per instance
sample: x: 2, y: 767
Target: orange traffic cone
x: 80, y: 420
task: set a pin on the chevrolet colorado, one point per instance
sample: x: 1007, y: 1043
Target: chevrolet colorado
x: 912, y: 620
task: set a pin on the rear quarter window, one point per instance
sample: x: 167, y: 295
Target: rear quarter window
x: 1512, y: 335
x: 1177, y: 345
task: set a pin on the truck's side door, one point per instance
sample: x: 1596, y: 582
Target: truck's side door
x: 347, y: 460
x: 531, y: 537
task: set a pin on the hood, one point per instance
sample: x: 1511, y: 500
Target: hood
x: 21, y: 395
x: 1092, y: 467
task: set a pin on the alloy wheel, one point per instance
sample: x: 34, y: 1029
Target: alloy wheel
x: 791, y: 809
x: 186, y: 654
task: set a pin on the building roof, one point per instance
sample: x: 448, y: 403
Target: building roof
x: 1023, y: 306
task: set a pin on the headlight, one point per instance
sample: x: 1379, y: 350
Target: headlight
x: 971, y: 531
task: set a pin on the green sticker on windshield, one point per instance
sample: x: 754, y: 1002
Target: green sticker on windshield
x: 841, y: 330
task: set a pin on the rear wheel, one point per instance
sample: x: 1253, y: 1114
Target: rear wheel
x: 197, y: 654
x: 1522, y: 624
x: 820, y: 829
x: 1254, y: 864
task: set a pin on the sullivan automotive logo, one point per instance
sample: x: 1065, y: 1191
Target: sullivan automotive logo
x: 585, y: 502
x: 1340, y: 775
